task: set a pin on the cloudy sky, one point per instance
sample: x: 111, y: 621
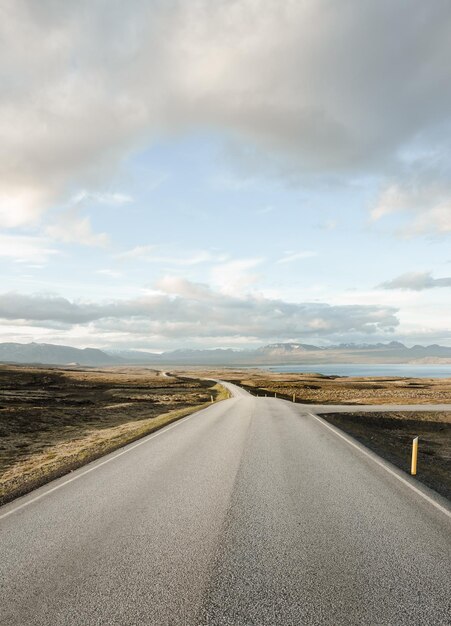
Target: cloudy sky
x: 203, y: 173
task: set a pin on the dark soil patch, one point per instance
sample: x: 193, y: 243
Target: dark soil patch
x: 391, y: 437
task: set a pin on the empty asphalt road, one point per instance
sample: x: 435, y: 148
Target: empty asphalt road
x: 251, y: 512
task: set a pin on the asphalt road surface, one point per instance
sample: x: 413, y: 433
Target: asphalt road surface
x: 251, y: 512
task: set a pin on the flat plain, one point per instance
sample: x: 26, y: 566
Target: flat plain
x: 53, y: 420
x: 353, y: 390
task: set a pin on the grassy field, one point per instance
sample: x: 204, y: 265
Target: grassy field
x: 54, y: 420
x: 319, y: 389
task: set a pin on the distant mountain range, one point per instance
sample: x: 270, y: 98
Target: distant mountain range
x: 53, y: 355
x: 273, y: 354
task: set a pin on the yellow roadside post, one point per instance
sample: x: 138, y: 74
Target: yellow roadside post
x: 211, y: 398
x: 413, y: 469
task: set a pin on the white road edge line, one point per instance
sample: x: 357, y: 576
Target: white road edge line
x: 97, y: 465
x: 382, y: 464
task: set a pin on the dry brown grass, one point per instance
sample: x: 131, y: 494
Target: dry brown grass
x: 318, y: 389
x: 53, y: 420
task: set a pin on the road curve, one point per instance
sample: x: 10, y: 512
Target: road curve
x: 250, y: 512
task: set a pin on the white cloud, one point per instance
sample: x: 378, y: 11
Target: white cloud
x: 110, y: 273
x: 195, y: 258
x: 436, y: 219
x: 297, y: 256
x: 150, y: 254
x: 235, y: 277
x: 70, y: 227
x: 102, y: 197
x: 138, y: 252
x: 426, y: 207
x: 391, y: 200
x: 26, y: 249
x: 20, y: 206
x: 416, y: 281
x: 175, y: 286
x: 303, y: 84
x: 190, y: 311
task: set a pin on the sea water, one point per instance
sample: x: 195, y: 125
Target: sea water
x: 358, y: 369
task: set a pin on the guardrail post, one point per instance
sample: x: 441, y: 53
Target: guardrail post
x: 413, y: 468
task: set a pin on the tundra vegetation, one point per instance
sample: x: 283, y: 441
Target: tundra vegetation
x: 55, y: 420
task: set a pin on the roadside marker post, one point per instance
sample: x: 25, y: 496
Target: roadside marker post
x: 275, y: 394
x: 211, y: 398
x: 413, y: 468
x: 294, y: 397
